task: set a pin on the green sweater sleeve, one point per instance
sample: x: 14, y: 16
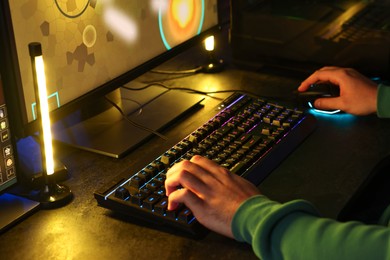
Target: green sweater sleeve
x: 383, y: 101
x: 294, y: 230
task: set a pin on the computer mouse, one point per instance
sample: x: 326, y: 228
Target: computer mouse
x: 319, y: 90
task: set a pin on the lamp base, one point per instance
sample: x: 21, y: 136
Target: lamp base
x: 54, y: 195
x: 213, y: 66
x: 30, y: 164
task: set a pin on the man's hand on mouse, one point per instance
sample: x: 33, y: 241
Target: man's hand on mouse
x: 358, y: 94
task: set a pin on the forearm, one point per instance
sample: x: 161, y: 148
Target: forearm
x: 295, y: 231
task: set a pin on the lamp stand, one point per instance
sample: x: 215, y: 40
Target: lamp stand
x: 51, y: 195
x: 213, y: 64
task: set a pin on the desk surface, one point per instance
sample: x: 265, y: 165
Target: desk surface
x: 325, y: 169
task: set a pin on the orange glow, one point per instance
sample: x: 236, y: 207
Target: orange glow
x: 182, y: 12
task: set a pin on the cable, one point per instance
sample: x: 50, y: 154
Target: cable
x: 189, y: 90
x: 134, y: 123
x: 169, y: 77
x: 194, y: 91
x: 190, y: 71
x: 135, y: 101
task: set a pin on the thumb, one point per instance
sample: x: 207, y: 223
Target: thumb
x: 327, y: 103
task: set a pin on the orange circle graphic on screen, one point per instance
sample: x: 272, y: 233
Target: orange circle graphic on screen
x: 181, y: 20
x: 182, y: 12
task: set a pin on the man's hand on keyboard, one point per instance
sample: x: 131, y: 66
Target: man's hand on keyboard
x: 211, y: 192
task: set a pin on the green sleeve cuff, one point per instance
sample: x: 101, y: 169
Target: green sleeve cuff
x: 259, y: 211
x: 383, y: 101
x: 244, y: 221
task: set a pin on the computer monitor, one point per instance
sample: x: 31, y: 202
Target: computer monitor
x: 91, y: 48
x: 7, y: 160
x: 12, y: 207
x: 304, y: 35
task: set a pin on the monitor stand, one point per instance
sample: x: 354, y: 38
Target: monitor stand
x: 13, y: 209
x: 108, y: 133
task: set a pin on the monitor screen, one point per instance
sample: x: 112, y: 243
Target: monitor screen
x: 12, y: 207
x: 92, y: 47
x: 306, y: 35
x: 7, y: 160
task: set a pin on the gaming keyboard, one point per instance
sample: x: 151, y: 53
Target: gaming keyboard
x: 248, y: 135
